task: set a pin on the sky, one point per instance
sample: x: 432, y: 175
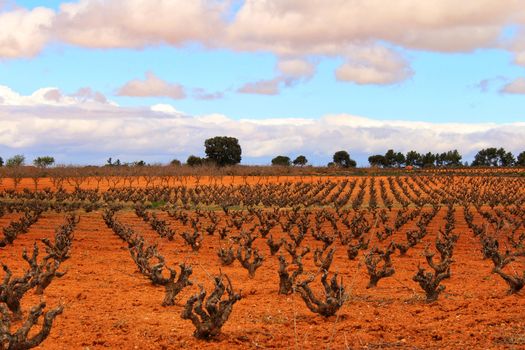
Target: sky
x: 152, y: 79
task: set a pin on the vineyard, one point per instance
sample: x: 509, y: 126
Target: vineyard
x: 418, y: 261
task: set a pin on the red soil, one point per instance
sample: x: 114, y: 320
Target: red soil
x: 109, y: 304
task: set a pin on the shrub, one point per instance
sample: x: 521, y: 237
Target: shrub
x: 209, y: 317
x: 334, y: 296
x: 19, y: 340
x: 194, y: 161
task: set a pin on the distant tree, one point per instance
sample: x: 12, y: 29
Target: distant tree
x: 282, y: 161
x: 493, y: 157
x: 175, y: 162
x: 452, y: 158
x: 194, y: 161
x: 377, y: 160
x: 342, y: 159
x: 506, y: 158
x: 521, y: 159
x: 331, y: 165
x: 440, y: 159
x: 300, y: 161
x: 390, y: 158
x: 44, y: 162
x: 17, y: 160
x: 486, y: 157
x: 1, y: 162
x: 399, y: 160
x: 413, y: 158
x: 110, y: 162
x: 223, y: 150
x: 447, y: 159
x: 428, y: 160
x: 139, y: 163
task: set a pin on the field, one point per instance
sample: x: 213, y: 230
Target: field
x: 340, y: 226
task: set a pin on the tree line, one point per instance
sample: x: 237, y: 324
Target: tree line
x: 19, y: 160
x: 487, y: 157
x: 226, y: 151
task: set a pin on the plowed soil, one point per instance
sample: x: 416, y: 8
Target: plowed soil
x: 109, y: 304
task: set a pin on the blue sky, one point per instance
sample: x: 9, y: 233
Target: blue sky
x: 444, y: 87
x: 392, y: 77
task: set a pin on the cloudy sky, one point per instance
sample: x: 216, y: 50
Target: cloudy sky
x: 151, y: 79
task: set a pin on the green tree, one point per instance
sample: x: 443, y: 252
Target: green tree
x: 282, y: 161
x: 175, y: 162
x: 521, y: 159
x: 223, y: 150
x: 440, y: 159
x: 44, y: 162
x: 399, y: 159
x: 428, y: 160
x: 377, y: 160
x: 194, y: 161
x: 1, y: 162
x: 17, y: 160
x: 300, y: 161
x: 390, y: 158
x: 110, y: 162
x: 413, y: 158
x: 493, y: 157
x: 452, y: 158
x: 506, y: 158
x: 342, y: 159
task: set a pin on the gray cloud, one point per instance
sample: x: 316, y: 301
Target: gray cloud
x: 202, y: 94
x: 262, y: 87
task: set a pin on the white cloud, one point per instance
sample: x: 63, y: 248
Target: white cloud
x: 514, y: 87
x: 296, y: 27
x: 152, y: 86
x: 374, y: 65
x: 138, y: 23
x: 86, y: 94
x: 519, y: 58
x: 24, y: 33
x: 296, y: 68
x: 165, y: 108
x: 292, y: 30
x: 290, y: 72
x: 80, y: 132
x: 51, y: 96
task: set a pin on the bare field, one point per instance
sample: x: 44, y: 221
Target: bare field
x: 108, y: 303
